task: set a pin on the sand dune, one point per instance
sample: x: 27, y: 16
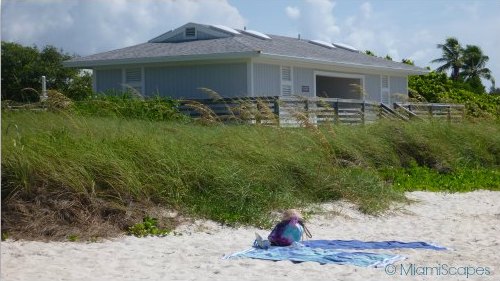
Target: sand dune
x: 467, y: 223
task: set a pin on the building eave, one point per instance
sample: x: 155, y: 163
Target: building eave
x: 344, y: 64
x: 237, y: 55
x: 160, y: 59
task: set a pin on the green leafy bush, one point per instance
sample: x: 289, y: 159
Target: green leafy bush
x: 230, y: 174
x: 148, y: 227
x: 126, y: 105
x: 23, y: 67
x: 437, y: 87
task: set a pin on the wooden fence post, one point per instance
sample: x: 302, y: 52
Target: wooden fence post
x: 449, y: 113
x: 336, y: 112
x: 277, y: 110
x: 363, y: 113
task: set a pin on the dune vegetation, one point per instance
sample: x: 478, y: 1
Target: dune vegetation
x: 69, y: 173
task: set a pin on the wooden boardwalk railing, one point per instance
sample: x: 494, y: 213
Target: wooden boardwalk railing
x: 291, y: 111
x: 328, y: 110
x: 450, y: 112
x: 263, y: 110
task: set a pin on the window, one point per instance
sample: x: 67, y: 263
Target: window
x: 286, y: 81
x: 190, y: 32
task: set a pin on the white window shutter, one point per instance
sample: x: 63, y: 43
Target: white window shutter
x: 286, y: 81
x: 286, y: 90
x: 286, y: 73
x: 133, y: 75
x: 385, y: 97
x: 133, y: 79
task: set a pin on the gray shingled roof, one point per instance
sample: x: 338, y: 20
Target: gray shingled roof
x: 240, y: 45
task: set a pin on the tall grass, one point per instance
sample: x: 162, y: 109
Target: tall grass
x: 232, y: 174
x: 129, y: 105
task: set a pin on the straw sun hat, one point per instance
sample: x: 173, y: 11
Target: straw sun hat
x: 290, y: 214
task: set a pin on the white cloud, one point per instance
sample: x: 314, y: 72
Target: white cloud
x: 371, y: 30
x: 292, y: 12
x: 366, y: 9
x: 422, y: 55
x: 92, y: 26
x: 316, y: 20
x: 361, y: 38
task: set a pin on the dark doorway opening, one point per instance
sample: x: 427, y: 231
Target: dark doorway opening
x: 338, y: 87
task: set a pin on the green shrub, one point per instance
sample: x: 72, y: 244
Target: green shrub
x: 148, y: 227
x: 236, y: 174
x: 437, y: 87
x: 126, y: 105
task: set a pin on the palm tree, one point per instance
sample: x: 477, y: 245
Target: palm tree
x: 474, y: 62
x: 452, y: 57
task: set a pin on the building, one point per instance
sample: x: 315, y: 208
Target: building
x: 246, y: 63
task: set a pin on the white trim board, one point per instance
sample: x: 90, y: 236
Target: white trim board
x: 250, y: 79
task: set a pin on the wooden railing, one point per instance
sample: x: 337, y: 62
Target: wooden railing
x: 387, y: 112
x: 292, y: 111
x: 449, y: 112
x: 262, y: 110
x: 328, y: 110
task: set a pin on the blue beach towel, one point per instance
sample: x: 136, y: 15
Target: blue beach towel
x: 300, y: 253
x: 335, y: 252
x: 361, y: 245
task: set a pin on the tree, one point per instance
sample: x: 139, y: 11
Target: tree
x: 370, y: 53
x: 451, y: 57
x: 19, y: 71
x: 474, y: 66
x: 22, y: 67
x: 437, y: 87
x: 494, y: 91
x: 387, y: 57
x: 80, y: 86
x: 408, y: 61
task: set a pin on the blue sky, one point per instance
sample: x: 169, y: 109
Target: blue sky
x: 400, y: 28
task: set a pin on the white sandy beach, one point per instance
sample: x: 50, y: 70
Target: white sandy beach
x: 467, y: 223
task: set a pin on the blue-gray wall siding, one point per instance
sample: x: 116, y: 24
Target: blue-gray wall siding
x: 398, y: 88
x: 108, y: 79
x: 228, y: 80
x: 372, y: 87
x: 267, y: 80
x: 303, y: 82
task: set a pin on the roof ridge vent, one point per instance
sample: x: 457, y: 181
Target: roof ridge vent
x: 322, y: 44
x: 225, y: 29
x: 257, y: 34
x: 346, y: 47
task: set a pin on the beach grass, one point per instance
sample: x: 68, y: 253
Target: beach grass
x: 70, y: 170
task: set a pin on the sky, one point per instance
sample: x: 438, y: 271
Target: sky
x: 400, y: 28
